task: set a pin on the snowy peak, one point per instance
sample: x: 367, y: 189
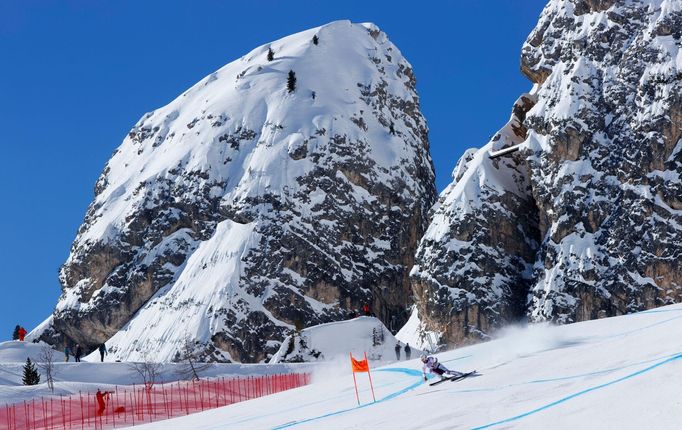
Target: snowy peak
x: 286, y: 189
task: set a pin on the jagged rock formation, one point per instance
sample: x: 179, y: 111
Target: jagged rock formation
x: 241, y: 210
x: 585, y: 220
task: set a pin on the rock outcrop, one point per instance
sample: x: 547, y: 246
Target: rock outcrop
x: 242, y: 210
x: 587, y: 222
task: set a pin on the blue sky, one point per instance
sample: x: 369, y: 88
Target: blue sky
x: 76, y: 75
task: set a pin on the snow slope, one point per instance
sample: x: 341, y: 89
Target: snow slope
x: 15, y: 351
x: 71, y: 377
x: 622, y: 372
x: 333, y: 341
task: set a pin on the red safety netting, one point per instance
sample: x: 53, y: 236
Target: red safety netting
x: 131, y: 405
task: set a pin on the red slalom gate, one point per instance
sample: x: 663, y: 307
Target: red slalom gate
x: 132, y: 405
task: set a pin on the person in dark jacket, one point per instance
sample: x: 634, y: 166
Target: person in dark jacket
x: 397, y: 351
x: 408, y: 351
x: 67, y: 353
x: 102, y: 352
x: 79, y: 352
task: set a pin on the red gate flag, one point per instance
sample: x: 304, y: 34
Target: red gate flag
x: 359, y: 365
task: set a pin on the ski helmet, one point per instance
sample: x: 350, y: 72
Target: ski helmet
x: 423, y: 357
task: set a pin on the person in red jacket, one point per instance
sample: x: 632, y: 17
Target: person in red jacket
x: 102, y: 398
x: 365, y: 309
x: 22, y: 333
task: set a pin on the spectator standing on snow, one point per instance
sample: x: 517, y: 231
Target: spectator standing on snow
x: 365, y: 309
x: 397, y: 351
x: 408, y: 351
x: 67, y: 353
x: 79, y: 352
x: 102, y: 352
x: 22, y: 333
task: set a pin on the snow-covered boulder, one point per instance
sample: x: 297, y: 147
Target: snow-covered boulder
x: 333, y: 341
x: 243, y: 209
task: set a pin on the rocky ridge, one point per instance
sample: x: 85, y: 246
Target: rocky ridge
x: 585, y: 221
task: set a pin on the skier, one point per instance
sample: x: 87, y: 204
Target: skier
x: 397, y: 351
x: 433, y: 366
x: 79, y: 352
x: 22, y: 333
x: 102, y: 352
x: 67, y: 353
x: 408, y: 351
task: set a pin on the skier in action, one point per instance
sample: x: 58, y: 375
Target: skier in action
x: 433, y: 366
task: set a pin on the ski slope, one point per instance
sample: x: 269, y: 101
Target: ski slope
x: 622, y: 372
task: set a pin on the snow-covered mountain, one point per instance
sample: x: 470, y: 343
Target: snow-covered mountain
x: 585, y: 220
x: 286, y: 189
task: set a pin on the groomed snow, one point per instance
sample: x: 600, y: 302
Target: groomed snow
x: 622, y: 372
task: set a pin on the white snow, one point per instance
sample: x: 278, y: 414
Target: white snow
x: 621, y: 372
x: 88, y: 376
x: 334, y: 341
x: 414, y: 333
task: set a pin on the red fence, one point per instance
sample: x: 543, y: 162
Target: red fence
x: 132, y: 405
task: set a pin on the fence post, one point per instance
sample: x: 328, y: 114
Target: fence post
x: 168, y: 405
x: 134, y: 409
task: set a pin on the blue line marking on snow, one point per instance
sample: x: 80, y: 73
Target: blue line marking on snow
x: 579, y: 393
x: 625, y: 333
x: 561, y: 378
x: 410, y: 372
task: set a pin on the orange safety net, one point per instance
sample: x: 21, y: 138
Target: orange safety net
x: 127, y: 406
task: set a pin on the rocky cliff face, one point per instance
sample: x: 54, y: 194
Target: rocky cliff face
x: 243, y: 209
x: 585, y: 220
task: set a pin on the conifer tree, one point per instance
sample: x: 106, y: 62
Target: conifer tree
x: 15, y: 335
x: 315, y: 39
x: 291, y: 81
x: 271, y: 54
x: 31, y: 375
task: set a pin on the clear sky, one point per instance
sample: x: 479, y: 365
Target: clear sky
x: 75, y: 76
